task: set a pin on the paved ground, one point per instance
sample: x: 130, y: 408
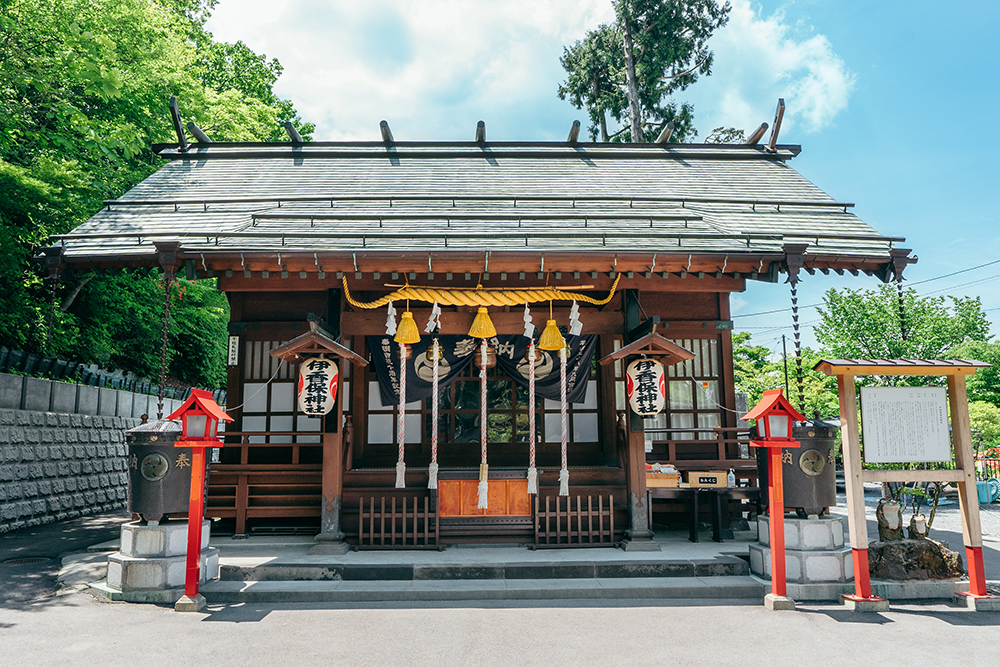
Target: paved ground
x: 38, y: 627
x: 77, y: 630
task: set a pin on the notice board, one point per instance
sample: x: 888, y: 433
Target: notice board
x: 905, y: 424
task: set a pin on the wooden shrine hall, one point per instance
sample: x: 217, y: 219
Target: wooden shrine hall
x: 332, y: 250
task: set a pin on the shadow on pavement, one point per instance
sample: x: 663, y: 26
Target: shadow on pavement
x: 32, y: 586
x: 255, y: 612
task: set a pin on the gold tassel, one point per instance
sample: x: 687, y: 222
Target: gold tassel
x: 407, y: 332
x: 482, y: 326
x: 550, y: 339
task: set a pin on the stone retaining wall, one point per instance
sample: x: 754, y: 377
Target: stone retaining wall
x: 60, y: 466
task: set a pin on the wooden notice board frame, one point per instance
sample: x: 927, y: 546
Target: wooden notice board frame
x: 855, y: 476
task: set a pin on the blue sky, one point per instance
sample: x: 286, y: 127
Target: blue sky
x: 894, y: 104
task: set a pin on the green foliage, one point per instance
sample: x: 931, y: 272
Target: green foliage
x: 755, y: 372
x: 726, y: 135
x: 84, y: 86
x: 866, y: 324
x: 670, y: 49
x: 985, y: 384
x: 985, y: 422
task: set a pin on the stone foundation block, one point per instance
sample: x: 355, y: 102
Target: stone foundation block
x: 163, y: 541
x: 806, y: 534
x: 126, y: 573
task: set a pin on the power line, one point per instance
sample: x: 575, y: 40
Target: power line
x: 949, y: 275
x: 919, y: 282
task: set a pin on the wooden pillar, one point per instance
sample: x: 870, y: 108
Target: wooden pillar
x: 331, y: 537
x: 968, y: 494
x: 851, y: 452
x: 640, y: 537
x: 608, y: 411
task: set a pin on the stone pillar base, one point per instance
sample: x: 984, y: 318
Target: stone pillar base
x: 854, y: 603
x: 330, y: 544
x: 639, y: 540
x: 197, y: 603
x: 779, y: 602
x: 975, y: 603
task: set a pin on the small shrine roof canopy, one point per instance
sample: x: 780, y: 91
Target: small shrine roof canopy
x: 312, y: 343
x: 654, y: 345
x: 203, y: 399
x: 899, y: 366
x: 344, y: 206
x: 773, y: 399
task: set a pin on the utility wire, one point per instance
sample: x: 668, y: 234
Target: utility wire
x: 919, y: 282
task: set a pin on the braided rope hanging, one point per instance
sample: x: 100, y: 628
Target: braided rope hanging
x: 480, y: 296
x: 401, y: 420
x: 483, y: 467
x: 532, y: 470
x: 432, y: 469
x: 564, y: 419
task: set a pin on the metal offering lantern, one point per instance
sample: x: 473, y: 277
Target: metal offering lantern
x: 810, y: 475
x: 159, y: 473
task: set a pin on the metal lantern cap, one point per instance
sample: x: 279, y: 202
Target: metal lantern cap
x: 199, y: 416
x: 777, y: 416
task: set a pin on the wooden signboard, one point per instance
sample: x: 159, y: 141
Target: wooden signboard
x: 905, y: 424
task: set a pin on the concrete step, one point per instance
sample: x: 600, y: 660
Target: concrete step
x: 688, y: 588
x: 722, y: 566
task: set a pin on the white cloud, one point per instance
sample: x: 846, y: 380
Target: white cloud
x: 759, y: 59
x: 433, y: 68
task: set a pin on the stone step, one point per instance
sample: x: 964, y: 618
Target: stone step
x: 687, y: 588
x: 723, y: 566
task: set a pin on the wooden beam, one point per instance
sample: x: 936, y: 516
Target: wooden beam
x: 779, y: 113
x: 198, y: 133
x: 574, y: 132
x: 665, y: 133
x: 383, y: 127
x: 889, y: 370
x: 881, y: 476
x: 757, y: 135
x: 293, y: 134
x: 175, y: 116
x: 851, y: 452
x: 961, y: 438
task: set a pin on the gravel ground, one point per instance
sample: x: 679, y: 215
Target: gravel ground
x: 947, y: 528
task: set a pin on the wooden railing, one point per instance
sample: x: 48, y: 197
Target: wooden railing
x: 287, y: 488
x: 571, y: 524
x: 405, y: 527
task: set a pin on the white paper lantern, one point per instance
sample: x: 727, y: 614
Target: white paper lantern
x: 318, y: 381
x: 646, y: 387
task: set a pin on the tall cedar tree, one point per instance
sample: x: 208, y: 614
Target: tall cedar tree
x: 628, y: 70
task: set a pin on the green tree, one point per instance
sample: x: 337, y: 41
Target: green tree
x: 984, y: 420
x: 984, y: 385
x: 866, y: 324
x: 84, y: 86
x: 755, y: 371
x: 629, y: 69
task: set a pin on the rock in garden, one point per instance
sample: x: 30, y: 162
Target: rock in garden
x: 913, y: 559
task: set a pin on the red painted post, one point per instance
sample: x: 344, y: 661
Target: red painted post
x: 195, y: 513
x: 776, y: 513
x: 862, y: 582
x: 977, y: 572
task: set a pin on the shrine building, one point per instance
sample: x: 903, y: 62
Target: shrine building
x: 322, y: 248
